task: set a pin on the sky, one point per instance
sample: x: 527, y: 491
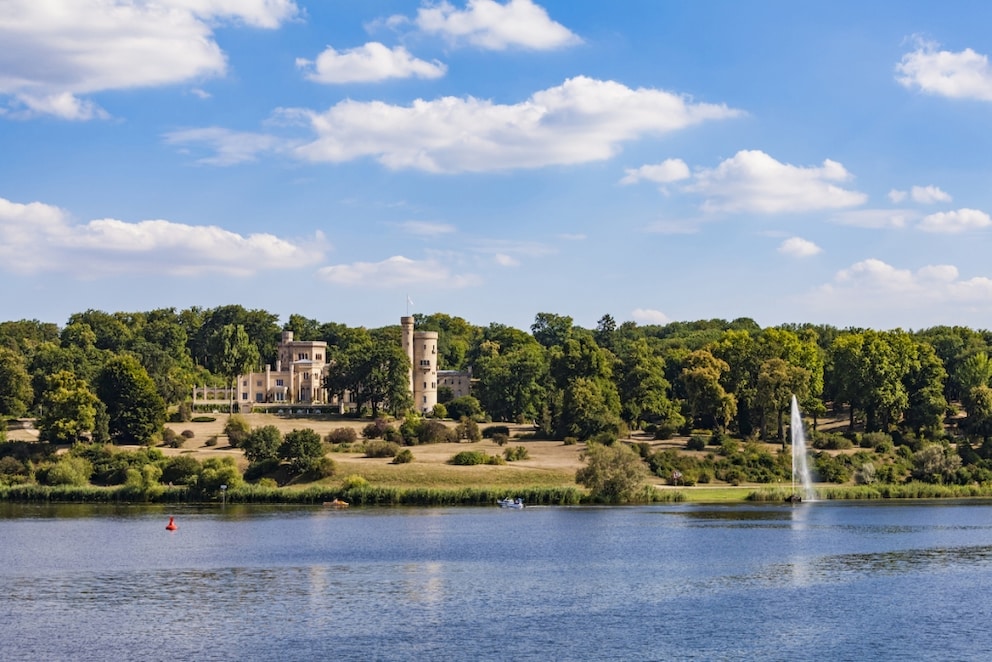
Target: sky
x: 353, y: 162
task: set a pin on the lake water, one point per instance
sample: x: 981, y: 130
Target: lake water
x: 817, y: 581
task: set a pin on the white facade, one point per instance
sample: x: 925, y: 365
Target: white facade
x: 421, y: 350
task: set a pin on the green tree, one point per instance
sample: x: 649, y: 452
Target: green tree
x: 135, y: 409
x: 262, y: 444
x: 709, y: 402
x: 68, y: 409
x: 613, y: 474
x: 466, y: 406
x: 550, y: 329
x: 510, y: 384
x: 303, y: 449
x: 643, y: 388
x: 16, y: 393
x: 238, y: 354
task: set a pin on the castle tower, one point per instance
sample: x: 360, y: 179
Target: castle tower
x: 421, y: 349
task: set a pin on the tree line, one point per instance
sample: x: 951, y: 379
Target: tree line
x: 114, y: 376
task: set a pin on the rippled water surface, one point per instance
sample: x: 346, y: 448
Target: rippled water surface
x: 823, y: 581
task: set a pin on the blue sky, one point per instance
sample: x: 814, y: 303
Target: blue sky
x: 657, y: 161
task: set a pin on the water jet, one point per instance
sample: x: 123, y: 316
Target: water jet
x: 800, y: 463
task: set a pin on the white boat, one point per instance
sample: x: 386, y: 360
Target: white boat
x: 511, y: 503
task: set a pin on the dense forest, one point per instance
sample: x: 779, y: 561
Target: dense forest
x: 918, y: 402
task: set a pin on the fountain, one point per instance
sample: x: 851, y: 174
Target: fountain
x: 800, y: 465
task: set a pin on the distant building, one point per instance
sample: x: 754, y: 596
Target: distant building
x: 302, y: 365
x: 421, y: 349
x: 298, y: 377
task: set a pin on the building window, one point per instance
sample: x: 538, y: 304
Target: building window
x: 258, y: 383
x: 244, y: 396
x: 425, y: 384
x: 433, y: 384
x: 319, y: 357
x: 425, y: 399
x: 279, y: 382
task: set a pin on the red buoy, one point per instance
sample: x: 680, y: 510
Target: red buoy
x: 171, y: 526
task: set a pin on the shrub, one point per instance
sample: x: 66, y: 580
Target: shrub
x: 325, y: 467
x: 403, y: 457
x: 696, y: 443
x: 203, y: 419
x: 466, y: 406
x: 181, y: 470
x: 570, y: 441
x: 516, y: 453
x: 184, y: 413
x: 500, y: 439
x: 171, y: 439
x: 341, y: 436
x: 467, y: 458
x: 262, y: 444
x: 211, y: 441
x: 187, y: 434
x: 354, y: 481
x: 439, y: 411
x: 612, y: 473
x: 376, y: 429
x: 432, y: 432
x: 490, y: 431
x: 381, y: 448
x: 468, y: 429
x: 236, y: 429
x: 70, y: 470
x: 303, y: 449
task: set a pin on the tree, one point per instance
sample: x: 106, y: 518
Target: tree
x: 466, y: 406
x: 262, y: 444
x: 238, y: 355
x: 303, y: 449
x: 643, y: 389
x: 708, y: 400
x: 135, y: 409
x: 613, y: 474
x: 510, y: 384
x: 16, y: 393
x: 550, y: 329
x: 68, y: 409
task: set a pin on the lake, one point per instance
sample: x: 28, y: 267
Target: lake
x: 823, y: 581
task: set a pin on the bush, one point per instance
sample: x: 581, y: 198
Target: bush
x: 354, y: 481
x: 500, y: 439
x: 468, y: 429
x: 467, y: 458
x: 439, y: 411
x: 262, y: 444
x: 516, y: 453
x: 490, y: 431
x: 432, y: 432
x: 381, y: 448
x: 181, y: 470
x: 403, y: 457
x: 696, y: 443
x: 570, y: 441
x: 236, y: 429
x: 341, y: 436
x: 326, y: 467
x: 187, y: 434
x: 203, y: 419
x: 376, y: 429
x: 70, y: 470
x: 171, y: 439
x: 466, y: 406
x: 211, y: 441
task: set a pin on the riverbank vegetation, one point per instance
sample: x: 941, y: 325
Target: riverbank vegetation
x: 99, y: 409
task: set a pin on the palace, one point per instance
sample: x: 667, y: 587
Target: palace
x: 302, y: 365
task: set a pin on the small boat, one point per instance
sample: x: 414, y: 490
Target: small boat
x: 511, y: 503
x: 337, y: 503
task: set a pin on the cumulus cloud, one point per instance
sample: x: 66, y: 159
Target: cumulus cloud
x: 874, y: 284
x: 962, y: 75
x: 649, y: 316
x: 897, y: 196
x: 799, y: 247
x: 37, y: 237
x: 666, y: 172
x: 227, y: 147
x: 57, y: 50
x: 493, y: 26
x: 928, y: 195
x: 426, y: 228
x: 504, y: 260
x: 876, y: 218
x: 580, y: 121
x: 396, y: 270
x: 953, y: 222
x: 369, y: 63
x: 752, y: 181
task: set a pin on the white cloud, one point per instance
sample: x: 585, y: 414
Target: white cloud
x: 56, y: 50
x: 649, y: 316
x: 876, y: 218
x: 962, y: 75
x: 666, y: 172
x: 928, y: 195
x: 679, y: 226
x: 228, y: 147
x: 875, y: 286
x: 952, y: 222
x: 369, y: 63
x: 752, y: 181
x: 572, y: 236
x: 897, y: 196
x: 493, y: 25
x: 426, y: 228
x: 579, y: 121
x: 37, y: 237
x: 799, y: 247
x: 397, y: 270
x: 504, y: 260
